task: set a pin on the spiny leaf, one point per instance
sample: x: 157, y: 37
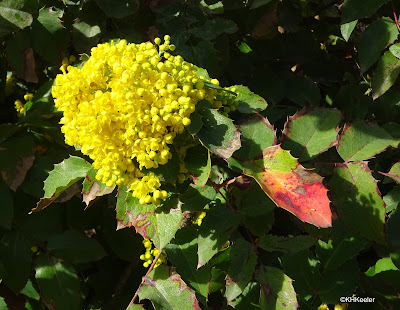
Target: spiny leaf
x: 92, y: 188
x: 62, y: 177
x: 355, y: 193
x: 291, y: 186
x: 157, y: 223
x: 248, y: 102
x: 167, y: 291
x: 311, y: 132
x: 361, y: 141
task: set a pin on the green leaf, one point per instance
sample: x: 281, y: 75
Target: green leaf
x: 392, y: 199
x: 58, y: 282
x: 195, y: 123
x: 393, y: 231
x: 257, y: 134
x: 212, y: 28
x: 356, y: 9
x: 383, y: 264
x: 199, y: 166
x: 340, y: 282
x: 92, y: 188
x: 30, y: 291
x: 395, y: 50
x: 249, y: 299
x: 311, y: 132
x: 214, y: 232
x: 356, y: 195
x: 374, y: 39
x: 63, y: 175
x: 360, y: 141
x: 307, y: 277
x: 257, y: 3
x: 3, y: 305
x: 218, y: 133
x: 118, y: 8
x: 342, y: 246
x: 248, y: 102
x: 394, y: 172
x: 135, y: 307
x: 15, y: 15
x: 347, y: 28
x: 196, y: 197
x: 75, y: 247
x: 169, y: 172
x: 182, y: 253
x: 7, y: 208
x: 277, y: 291
x: 241, y: 268
x: 15, y: 49
x: 294, y: 244
x: 15, y: 254
x: 385, y: 75
x: 157, y: 223
x: 167, y: 291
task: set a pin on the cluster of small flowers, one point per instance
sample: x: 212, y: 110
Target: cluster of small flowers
x: 225, y: 101
x: 198, y: 220
x: 19, y: 106
x: 125, y: 107
x: 340, y: 306
x: 151, y: 254
x: 66, y: 62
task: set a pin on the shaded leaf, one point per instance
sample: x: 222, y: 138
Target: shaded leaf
x: 196, y: 198
x: 347, y: 28
x: 75, y: 247
x: 3, y: 305
x: 157, y: 223
x: 182, y: 253
x: 15, y: 254
x: 214, y: 232
x: 167, y: 291
x: 291, y: 186
x: 356, y: 9
x: 295, y: 244
x: 58, y: 282
x: 248, y: 102
x: 355, y: 193
x: 374, y: 39
x: 385, y: 75
x: 212, y: 28
x: 14, y: 15
x: 63, y: 175
x: 218, y: 133
x: 311, y: 132
x: 119, y: 8
x: 249, y: 299
x: 277, y: 291
x: 392, y: 199
x: 199, y: 165
x: 30, y: 291
x: 394, y: 172
x: 7, y: 206
x: 360, y: 141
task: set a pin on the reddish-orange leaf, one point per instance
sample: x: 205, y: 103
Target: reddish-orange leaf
x: 291, y: 186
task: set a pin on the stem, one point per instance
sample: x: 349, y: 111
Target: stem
x: 145, y: 276
x: 216, y: 187
x: 395, y: 16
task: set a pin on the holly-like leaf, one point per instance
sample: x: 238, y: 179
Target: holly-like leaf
x: 309, y: 133
x: 257, y: 134
x: 16, y: 256
x: 341, y: 246
x: 394, y: 172
x: 199, y: 165
x: 382, y: 32
x: 215, y: 232
x: 386, y: 73
x: 241, y: 268
x: 356, y: 9
x: 157, y: 223
x: 92, y: 188
x: 63, y: 175
x: 75, y: 247
x: 295, y: 244
x: 355, y: 193
x: 248, y: 102
x: 347, y: 28
x: 196, y: 198
x: 361, y: 141
x: 59, y: 284
x: 182, y: 253
x: 291, y: 186
x: 167, y: 291
x: 218, y: 133
x: 277, y: 291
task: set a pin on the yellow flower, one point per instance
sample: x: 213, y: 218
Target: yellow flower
x: 19, y: 107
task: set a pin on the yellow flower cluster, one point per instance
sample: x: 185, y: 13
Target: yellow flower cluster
x: 125, y: 107
x: 198, y: 220
x: 225, y: 101
x: 340, y: 306
x: 151, y: 254
x: 66, y: 62
x: 19, y: 106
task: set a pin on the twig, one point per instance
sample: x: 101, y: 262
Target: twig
x: 145, y: 276
x: 395, y: 16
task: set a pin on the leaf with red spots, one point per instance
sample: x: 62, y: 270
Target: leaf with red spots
x: 167, y: 291
x: 159, y: 223
x: 291, y: 186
